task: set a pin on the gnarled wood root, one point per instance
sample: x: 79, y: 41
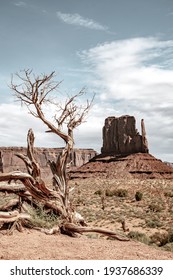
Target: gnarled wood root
x: 72, y: 228
x: 54, y: 230
x: 12, y: 216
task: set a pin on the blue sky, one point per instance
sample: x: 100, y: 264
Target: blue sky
x: 120, y: 50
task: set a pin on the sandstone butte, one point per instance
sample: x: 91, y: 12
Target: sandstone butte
x: 124, y: 154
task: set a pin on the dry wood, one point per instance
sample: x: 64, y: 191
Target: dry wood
x: 75, y: 228
x: 34, y: 92
x: 12, y: 216
x: 54, y: 230
x: 71, y: 229
x: 7, y: 205
x: 12, y: 188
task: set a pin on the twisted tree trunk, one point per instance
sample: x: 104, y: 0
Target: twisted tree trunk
x: 54, y: 199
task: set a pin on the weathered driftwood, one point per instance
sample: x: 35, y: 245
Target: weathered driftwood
x: 12, y: 188
x: 8, y: 204
x: 12, y: 216
x: 75, y: 228
x: 37, y: 190
x: 71, y: 229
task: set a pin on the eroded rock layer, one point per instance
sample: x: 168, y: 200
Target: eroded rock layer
x: 138, y: 165
x: 121, y: 137
x: 10, y: 162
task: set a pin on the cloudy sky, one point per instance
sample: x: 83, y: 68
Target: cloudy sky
x: 120, y: 50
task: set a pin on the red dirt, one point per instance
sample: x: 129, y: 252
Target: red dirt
x: 35, y: 245
x: 138, y: 165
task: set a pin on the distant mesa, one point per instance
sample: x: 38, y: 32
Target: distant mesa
x: 124, y: 154
x: 10, y: 162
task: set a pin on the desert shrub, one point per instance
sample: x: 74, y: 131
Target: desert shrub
x: 109, y: 192
x: 159, y: 238
x: 122, y: 193
x: 142, y: 237
x: 170, y: 236
x: 92, y: 235
x: 138, y: 196
x: 168, y: 194
x: 98, y: 192
x: 162, y: 239
x: 116, y: 192
x: 168, y: 247
x: 80, y: 201
x: 153, y: 223
x: 155, y: 207
x: 40, y: 218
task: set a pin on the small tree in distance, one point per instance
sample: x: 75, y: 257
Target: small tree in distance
x: 35, y: 92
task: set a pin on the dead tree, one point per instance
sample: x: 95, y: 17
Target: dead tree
x: 35, y: 93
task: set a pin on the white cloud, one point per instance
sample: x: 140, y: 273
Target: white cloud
x: 20, y: 4
x: 135, y: 77
x: 89, y: 134
x: 15, y: 122
x: 78, y: 20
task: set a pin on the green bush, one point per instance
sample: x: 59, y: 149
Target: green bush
x: 98, y: 192
x: 142, y: 237
x: 40, y: 218
x: 122, y: 193
x: 155, y: 223
x: 138, y: 196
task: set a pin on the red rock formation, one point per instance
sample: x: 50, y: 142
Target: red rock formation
x: 124, y: 154
x: 120, y: 136
x: 10, y: 162
x: 138, y: 165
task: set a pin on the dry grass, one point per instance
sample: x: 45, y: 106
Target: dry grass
x: 152, y: 214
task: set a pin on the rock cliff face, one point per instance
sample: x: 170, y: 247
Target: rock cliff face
x: 10, y: 162
x: 124, y: 154
x: 120, y: 136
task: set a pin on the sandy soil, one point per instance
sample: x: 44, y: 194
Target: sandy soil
x: 35, y: 245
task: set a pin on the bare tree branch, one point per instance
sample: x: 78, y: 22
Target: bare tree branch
x: 35, y: 92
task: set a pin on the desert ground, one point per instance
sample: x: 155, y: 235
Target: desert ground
x: 147, y: 218
x: 35, y: 245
